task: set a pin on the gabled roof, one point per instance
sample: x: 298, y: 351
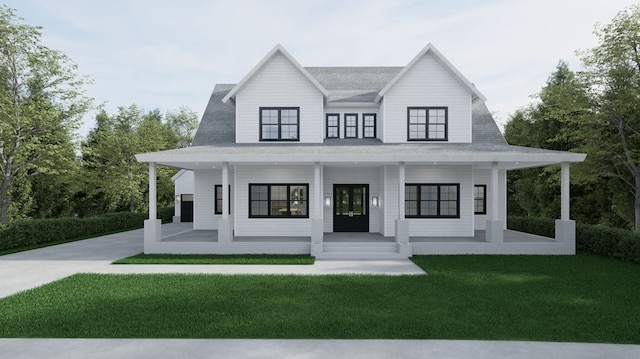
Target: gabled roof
x: 278, y: 49
x: 432, y: 50
x: 353, y: 84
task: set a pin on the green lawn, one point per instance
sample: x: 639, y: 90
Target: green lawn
x: 583, y: 298
x: 216, y: 259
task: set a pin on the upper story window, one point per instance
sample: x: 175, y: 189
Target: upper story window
x: 279, y: 124
x: 333, y: 125
x: 427, y: 123
x: 369, y: 125
x: 350, y: 125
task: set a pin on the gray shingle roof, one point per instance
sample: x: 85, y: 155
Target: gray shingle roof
x: 344, y: 84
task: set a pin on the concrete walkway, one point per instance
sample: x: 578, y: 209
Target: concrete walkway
x: 25, y: 270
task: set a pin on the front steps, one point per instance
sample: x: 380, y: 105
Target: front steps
x: 361, y: 250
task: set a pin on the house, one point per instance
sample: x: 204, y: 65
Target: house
x: 353, y: 161
x: 183, y: 192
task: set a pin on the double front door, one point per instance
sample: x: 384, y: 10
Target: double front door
x: 351, y: 208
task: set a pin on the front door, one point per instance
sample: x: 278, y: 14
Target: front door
x: 351, y: 208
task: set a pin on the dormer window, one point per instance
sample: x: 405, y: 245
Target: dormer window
x: 350, y: 125
x: 279, y: 124
x: 427, y: 123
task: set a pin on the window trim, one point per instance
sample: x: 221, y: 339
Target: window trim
x: 280, y: 124
x: 364, y: 125
x: 337, y: 126
x: 346, y: 126
x: 217, y: 210
x: 426, y: 134
x: 288, y: 185
x: 484, y: 198
x: 418, y: 200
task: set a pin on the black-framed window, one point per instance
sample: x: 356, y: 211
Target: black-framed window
x: 369, y: 125
x: 279, y: 124
x: 427, y: 123
x: 350, y: 125
x: 333, y: 125
x: 432, y: 200
x: 278, y: 200
x: 480, y: 199
x: 218, y: 199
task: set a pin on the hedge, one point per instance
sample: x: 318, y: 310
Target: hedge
x: 31, y: 232
x: 602, y: 240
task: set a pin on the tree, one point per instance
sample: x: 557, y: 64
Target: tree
x: 184, y: 123
x: 561, y: 119
x: 613, y: 74
x: 41, y: 103
x: 115, y: 181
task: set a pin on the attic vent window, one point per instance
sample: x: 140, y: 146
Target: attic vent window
x: 279, y: 123
x: 427, y: 123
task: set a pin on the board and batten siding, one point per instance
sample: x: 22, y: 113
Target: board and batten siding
x: 204, y: 216
x: 279, y: 84
x: 428, y: 83
x: 281, y: 174
x: 353, y: 175
x: 483, y: 177
x: 440, y: 227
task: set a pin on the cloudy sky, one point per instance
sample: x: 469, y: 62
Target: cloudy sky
x: 168, y: 53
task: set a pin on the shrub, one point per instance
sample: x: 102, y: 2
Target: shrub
x: 602, y: 240
x: 30, y: 232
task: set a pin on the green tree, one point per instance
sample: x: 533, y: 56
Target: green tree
x: 184, y: 123
x: 41, y: 103
x: 613, y: 73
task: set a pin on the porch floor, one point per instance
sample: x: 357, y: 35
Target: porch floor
x: 183, y: 232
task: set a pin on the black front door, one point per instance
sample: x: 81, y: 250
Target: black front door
x: 351, y: 208
x: 186, y: 208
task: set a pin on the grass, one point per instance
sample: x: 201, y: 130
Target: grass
x: 216, y: 259
x: 583, y: 298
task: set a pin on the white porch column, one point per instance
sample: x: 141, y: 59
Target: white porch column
x: 225, y: 234
x: 152, y: 226
x: 402, y: 225
x: 495, y: 225
x: 316, y: 221
x: 565, y: 227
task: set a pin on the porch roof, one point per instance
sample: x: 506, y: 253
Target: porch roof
x: 361, y: 152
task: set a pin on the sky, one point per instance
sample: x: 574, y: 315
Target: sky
x: 164, y: 54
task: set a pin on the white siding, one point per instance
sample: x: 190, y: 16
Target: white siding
x: 354, y: 175
x: 427, y: 83
x: 483, y: 177
x: 441, y: 227
x: 360, y: 111
x: 285, y: 227
x: 279, y: 84
x: 204, y: 216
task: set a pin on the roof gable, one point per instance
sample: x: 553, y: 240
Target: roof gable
x: 278, y: 49
x: 432, y: 50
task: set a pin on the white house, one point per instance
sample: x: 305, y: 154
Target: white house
x: 353, y: 161
x: 183, y: 191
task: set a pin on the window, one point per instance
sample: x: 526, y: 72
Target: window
x: 218, y: 199
x: 427, y: 123
x: 432, y: 200
x: 369, y: 125
x: 333, y: 125
x: 278, y: 200
x: 350, y: 125
x: 279, y: 124
x: 480, y: 199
